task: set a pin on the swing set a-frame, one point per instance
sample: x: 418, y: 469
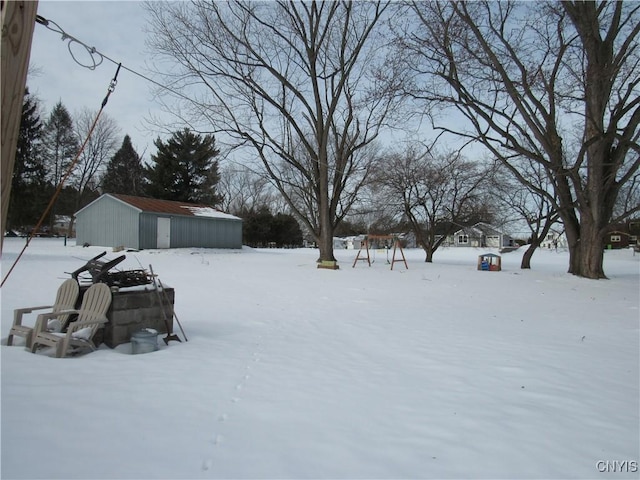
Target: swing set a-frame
x: 374, y: 240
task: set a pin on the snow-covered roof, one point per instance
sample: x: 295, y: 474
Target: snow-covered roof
x: 208, y: 212
x: 479, y: 229
x: 154, y: 205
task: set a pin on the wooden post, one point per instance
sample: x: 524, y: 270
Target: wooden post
x: 18, y: 22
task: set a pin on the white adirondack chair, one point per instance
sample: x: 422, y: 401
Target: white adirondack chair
x: 66, y: 299
x: 92, y: 314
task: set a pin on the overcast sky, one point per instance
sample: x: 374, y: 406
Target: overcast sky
x: 115, y: 29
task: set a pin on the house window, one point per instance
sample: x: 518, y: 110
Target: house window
x: 463, y: 238
x: 615, y: 238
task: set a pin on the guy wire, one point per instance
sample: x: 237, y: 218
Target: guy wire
x: 97, y: 57
x: 111, y: 88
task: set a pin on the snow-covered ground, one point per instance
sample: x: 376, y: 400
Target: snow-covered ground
x: 438, y: 371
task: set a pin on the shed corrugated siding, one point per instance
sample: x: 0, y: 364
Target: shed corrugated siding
x: 108, y: 223
x: 148, y: 230
x: 201, y: 232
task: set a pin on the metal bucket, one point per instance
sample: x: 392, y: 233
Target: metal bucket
x: 144, y: 341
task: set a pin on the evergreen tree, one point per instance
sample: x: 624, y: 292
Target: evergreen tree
x: 261, y: 228
x: 184, y: 169
x: 125, y: 173
x: 256, y: 227
x: 61, y: 143
x: 28, y: 187
x: 286, y: 231
x: 61, y: 147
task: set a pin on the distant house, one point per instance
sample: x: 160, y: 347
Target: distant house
x: 634, y: 232
x: 61, y: 225
x: 339, y: 243
x: 554, y: 240
x: 622, y: 235
x: 115, y: 220
x: 482, y: 235
x: 353, y: 242
x: 408, y: 240
x: 616, y: 239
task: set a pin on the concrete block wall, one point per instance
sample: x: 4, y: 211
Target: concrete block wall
x: 134, y: 309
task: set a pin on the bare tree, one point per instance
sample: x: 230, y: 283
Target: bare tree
x: 376, y: 212
x: 537, y: 212
x: 554, y: 82
x: 101, y: 144
x: 628, y: 199
x: 299, y: 83
x: 436, y: 193
x: 244, y: 190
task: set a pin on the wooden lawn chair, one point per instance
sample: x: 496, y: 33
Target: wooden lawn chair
x: 92, y: 314
x: 66, y: 299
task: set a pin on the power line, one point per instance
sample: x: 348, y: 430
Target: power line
x: 98, y: 57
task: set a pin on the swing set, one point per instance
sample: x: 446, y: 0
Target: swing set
x: 371, y: 242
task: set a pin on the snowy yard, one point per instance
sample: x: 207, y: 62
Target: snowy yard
x: 438, y: 371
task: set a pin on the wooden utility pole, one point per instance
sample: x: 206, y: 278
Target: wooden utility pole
x: 18, y: 22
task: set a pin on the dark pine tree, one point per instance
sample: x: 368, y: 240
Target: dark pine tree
x: 185, y: 169
x: 60, y: 149
x: 286, y: 231
x: 61, y: 143
x: 256, y: 227
x: 125, y: 173
x: 29, y: 189
x: 260, y: 229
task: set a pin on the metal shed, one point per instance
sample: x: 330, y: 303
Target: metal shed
x: 115, y: 220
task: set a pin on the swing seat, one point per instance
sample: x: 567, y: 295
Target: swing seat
x: 366, y: 246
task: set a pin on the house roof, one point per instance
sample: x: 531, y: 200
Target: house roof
x: 154, y: 205
x: 479, y: 229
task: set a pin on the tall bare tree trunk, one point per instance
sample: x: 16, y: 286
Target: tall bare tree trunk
x: 304, y: 85
x: 429, y: 255
x: 570, y: 104
x: 528, y: 254
x: 325, y: 240
x: 591, y: 251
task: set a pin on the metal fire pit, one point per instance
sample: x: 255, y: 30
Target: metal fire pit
x: 132, y: 309
x: 100, y: 273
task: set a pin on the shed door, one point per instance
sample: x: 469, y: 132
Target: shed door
x: 164, y: 232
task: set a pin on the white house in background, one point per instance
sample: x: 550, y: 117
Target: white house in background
x: 352, y: 242
x: 554, y: 239
x: 339, y: 243
x: 482, y: 235
x: 61, y: 225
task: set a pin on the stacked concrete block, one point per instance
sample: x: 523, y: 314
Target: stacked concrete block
x: 135, y: 309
